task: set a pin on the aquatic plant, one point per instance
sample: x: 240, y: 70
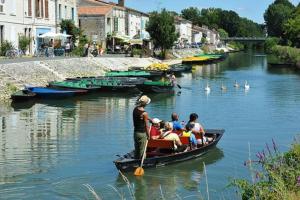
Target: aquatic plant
x: 275, y: 175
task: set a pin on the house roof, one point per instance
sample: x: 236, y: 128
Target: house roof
x: 94, y: 10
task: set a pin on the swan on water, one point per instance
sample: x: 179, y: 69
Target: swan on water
x: 246, y: 86
x: 236, y: 84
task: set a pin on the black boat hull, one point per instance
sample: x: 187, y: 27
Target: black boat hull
x: 127, y: 163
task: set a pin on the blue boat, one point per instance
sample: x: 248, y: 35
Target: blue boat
x: 44, y: 92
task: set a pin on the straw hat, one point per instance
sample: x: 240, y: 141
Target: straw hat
x: 144, y: 100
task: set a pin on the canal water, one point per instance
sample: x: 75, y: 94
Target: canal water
x: 53, y: 149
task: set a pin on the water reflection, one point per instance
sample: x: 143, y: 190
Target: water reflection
x: 166, y: 181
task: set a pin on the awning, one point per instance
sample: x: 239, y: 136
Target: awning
x: 52, y: 35
x: 136, y: 41
x: 125, y: 38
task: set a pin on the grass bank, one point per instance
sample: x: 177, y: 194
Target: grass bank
x: 285, y: 54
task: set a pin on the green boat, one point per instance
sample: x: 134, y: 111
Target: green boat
x: 156, y: 87
x: 128, y: 74
x: 99, y: 83
x: 135, y: 73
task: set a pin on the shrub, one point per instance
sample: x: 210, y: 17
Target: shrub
x: 5, y: 46
x: 23, y: 43
x: 286, y: 54
x: 275, y: 175
x: 270, y: 43
x: 136, y: 51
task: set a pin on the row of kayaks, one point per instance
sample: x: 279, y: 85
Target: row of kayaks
x: 204, y: 58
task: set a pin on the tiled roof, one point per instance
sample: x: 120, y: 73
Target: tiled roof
x: 94, y: 10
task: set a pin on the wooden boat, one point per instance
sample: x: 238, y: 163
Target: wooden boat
x: 177, y: 69
x: 204, y: 58
x: 100, y: 83
x: 127, y: 162
x: 45, y: 92
x: 156, y: 87
x: 135, y: 73
x: 23, y: 95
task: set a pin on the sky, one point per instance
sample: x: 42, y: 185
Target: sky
x: 251, y: 9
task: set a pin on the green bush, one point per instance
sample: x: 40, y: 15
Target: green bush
x: 23, y: 43
x: 270, y: 43
x: 275, y: 175
x: 136, y: 51
x: 5, y: 46
x: 286, y: 54
x: 236, y: 46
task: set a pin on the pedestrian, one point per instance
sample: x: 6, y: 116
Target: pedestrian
x: 141, y: 126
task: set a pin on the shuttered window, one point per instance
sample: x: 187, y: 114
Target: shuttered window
x: 37, y: 8
x: 42, y: 8
x: 46, y: 9
x: 29, y: 8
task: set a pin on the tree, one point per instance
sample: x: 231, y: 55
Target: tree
x: 192, y: 14
x: 161, y: 28
x: 222, y: 33
x: 276, y: 16
x: 70, y: 28
x: 292, y: 27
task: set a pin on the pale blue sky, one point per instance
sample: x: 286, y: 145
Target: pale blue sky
x: 251, y: 9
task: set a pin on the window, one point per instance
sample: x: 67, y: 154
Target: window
x: 1, y: 34
x: 59, y: 11
x: 2, y: 6
x: 66, y: 12
x: 38, y: 12
x: 73, y: 14
x: 13, y: 4
x: 29, y: 8
x: 46, y: 9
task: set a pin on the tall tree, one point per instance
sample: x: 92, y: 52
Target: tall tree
x: 276, y: 16
x: 192, y: 14
x: 161, y: 27
x: 292, y: 27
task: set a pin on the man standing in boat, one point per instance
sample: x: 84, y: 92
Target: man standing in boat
x: 141, y: 126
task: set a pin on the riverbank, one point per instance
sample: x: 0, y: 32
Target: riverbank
x: 15, y: 75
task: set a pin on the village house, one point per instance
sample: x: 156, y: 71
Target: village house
x: 32, y: 18
x: 102, y: 20
x: 184, y: 29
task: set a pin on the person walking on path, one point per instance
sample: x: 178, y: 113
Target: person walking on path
x: 141, y: 126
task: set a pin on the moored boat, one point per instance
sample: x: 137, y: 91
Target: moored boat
x: 45, y: 92
x: 23, y: 95
x: 156, y: 87
x: 100, y: 83
x: 127, y: 162
x: 204, y: 58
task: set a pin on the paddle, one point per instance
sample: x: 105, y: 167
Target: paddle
x: 140, y: 171
x: 178, y: 86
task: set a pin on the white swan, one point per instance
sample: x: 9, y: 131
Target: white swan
x: 236, y: 84
x: 246, y: 86
x: 223, y: 87
x: 207, y: 88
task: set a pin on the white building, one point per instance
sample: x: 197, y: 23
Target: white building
x: 136, y: 24
x: 32, y: 18
x: 184, y: 28
x: 66, y: 9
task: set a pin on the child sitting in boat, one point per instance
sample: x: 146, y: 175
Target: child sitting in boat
x: 155, y: 131
x: 188, y: 133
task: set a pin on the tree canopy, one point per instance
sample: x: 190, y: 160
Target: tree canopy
x: 70, y: 28
x: 161, y: 27
x: 292, y: 27
x: 276, y: 15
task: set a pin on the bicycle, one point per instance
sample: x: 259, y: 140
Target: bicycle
x: 13, y: 53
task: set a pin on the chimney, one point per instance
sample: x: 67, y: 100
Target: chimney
x: 121, y: 3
